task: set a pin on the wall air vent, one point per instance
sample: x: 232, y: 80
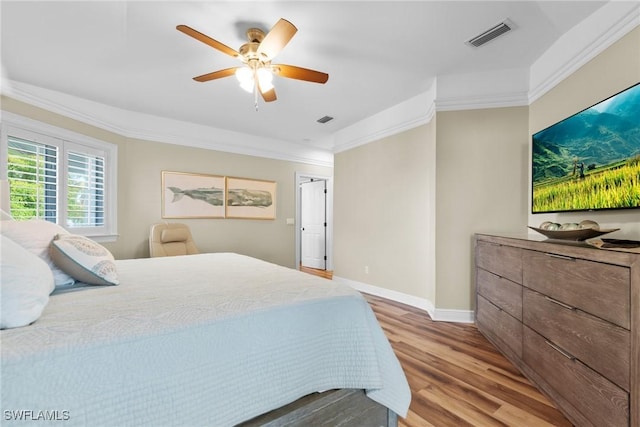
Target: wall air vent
x: 491, y: 33
x: 324, y: 119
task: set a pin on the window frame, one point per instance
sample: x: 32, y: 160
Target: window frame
x: 66, y: 140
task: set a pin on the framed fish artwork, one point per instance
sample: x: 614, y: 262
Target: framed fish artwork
x: 190, y: 195
x: 250, y: 198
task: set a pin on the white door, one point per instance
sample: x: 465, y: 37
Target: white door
x: 313, y: 224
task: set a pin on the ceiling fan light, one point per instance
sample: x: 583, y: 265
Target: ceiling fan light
x: 247, y: 85
x: 245, y: 77
x: 265, y: 77
x: 266, y: 87
x: 244, y: 74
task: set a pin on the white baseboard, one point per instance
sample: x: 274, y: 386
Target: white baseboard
x: 456, y: 316
x: 437, y: 314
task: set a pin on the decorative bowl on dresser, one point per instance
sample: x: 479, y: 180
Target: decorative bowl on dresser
x: 568, y: 316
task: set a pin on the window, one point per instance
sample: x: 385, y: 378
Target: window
x: 62, y: 177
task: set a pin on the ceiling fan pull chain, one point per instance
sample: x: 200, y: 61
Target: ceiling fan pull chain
x: 255, y: 84
x: 255, y: 96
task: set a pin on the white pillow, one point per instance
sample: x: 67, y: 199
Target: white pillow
x: 83, y: 259
x: 25, y: 284
x: 35, y: 235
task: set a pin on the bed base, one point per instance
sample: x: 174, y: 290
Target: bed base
x: 344, y: 408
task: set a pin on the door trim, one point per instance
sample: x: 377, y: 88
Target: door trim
x: 301, y: 177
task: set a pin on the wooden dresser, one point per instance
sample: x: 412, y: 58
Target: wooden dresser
x: 568, y: 316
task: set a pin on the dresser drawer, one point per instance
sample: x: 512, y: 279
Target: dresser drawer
x: 599, y: 344
x: 504, y: 261
x: 502, y: 292
x: 592, y: 398
x: 597, y: 288
x: 499, y: 325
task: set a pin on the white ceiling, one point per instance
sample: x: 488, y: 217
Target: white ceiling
x: 378, y: 54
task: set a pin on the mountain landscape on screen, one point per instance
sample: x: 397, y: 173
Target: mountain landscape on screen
x: 590, y: 160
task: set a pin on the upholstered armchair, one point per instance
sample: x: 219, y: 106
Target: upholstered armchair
x: 171, y: 239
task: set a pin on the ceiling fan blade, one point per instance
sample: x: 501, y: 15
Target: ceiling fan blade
x: 269, y: 95
x: 299, y: 73
x: 276, y: 39
x: 216, y: 75
x: 207, y: 40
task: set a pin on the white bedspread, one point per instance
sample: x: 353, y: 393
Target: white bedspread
x: 210, y: 339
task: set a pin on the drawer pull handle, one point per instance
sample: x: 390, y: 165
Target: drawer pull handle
x: 567, y: 258
x: 561, y: 304
x: 559, y: 350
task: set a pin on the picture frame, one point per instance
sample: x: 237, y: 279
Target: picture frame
x: 250, y: 198
x: 191, y: 195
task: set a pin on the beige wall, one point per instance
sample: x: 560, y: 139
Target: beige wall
x: 615, y: 69
x: 383, y: 212
x: 481, y: 186
x: 140, y: 164
x: 408, y: 205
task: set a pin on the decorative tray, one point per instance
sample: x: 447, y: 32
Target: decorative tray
x: 580, y: 234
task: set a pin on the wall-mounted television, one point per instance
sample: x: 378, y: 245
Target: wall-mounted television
x: 590, y: 160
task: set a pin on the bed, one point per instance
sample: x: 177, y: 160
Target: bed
x: 211, y: 339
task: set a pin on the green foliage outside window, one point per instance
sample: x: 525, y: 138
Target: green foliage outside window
x: 27, y: 195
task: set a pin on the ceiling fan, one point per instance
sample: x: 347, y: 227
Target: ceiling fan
x: 256, y: 73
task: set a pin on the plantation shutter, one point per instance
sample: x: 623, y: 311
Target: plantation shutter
x: 85, y: 189
x: 60, y: 181
x: 59, y: 176
x: 32, y: 174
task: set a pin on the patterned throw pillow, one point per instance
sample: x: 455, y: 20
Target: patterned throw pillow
x: 83, y: 259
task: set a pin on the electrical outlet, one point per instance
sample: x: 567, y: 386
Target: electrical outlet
x: 366, y: 269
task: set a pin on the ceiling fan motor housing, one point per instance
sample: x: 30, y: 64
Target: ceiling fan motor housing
x: 249, y: 52
x: 255, y: 35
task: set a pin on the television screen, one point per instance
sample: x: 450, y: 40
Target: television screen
x: 591, y: 160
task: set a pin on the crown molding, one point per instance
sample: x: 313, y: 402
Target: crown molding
x: 483, y: 89
x: 407, y: 115
x: 583, y: 43
x: 516, y: 99
x: 136, y: 125
x: 503, y: 88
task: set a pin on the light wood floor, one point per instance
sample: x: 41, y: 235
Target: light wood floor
x: 457, y: 378
x: 317, y: 272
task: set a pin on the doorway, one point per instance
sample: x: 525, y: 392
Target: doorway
x: 313, y: 224
x: 314, y: 228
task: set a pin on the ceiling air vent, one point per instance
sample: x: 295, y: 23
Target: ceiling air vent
x: 491, y: 33
x: 324, y: 119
